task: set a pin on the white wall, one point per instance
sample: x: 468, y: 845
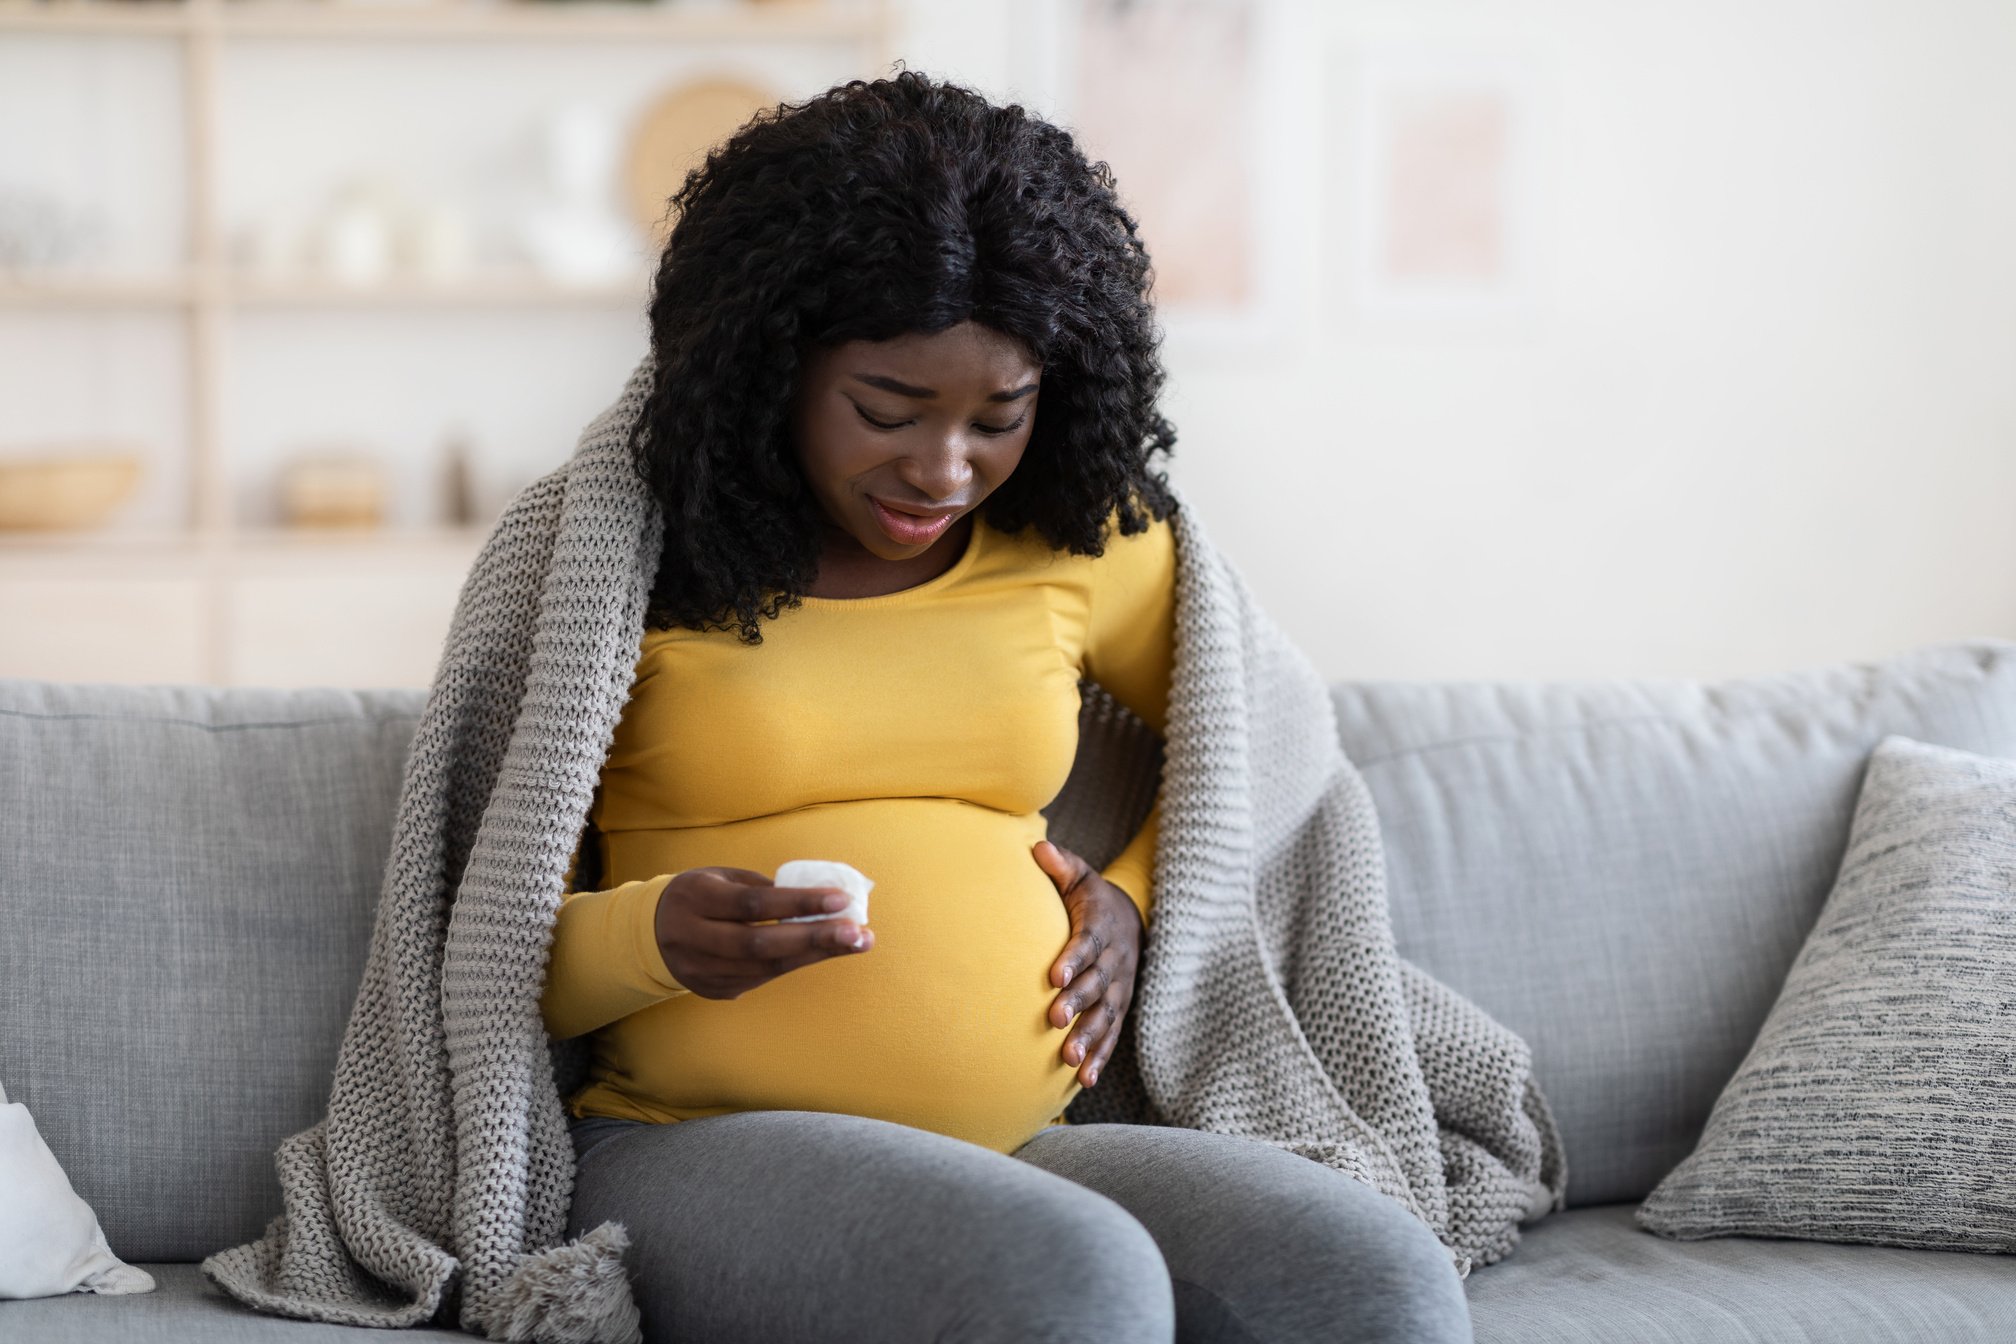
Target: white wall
x: 1763, y: 416
x: 1766, y: 415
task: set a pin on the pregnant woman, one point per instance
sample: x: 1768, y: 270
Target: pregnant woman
x: 906, y: 464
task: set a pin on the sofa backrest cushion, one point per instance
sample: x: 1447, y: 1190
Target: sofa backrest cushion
x: 188, y: 879
x: 1623, y: 870
x: 1619, y: 870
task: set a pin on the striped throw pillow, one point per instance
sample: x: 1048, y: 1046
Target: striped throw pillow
x: 1878, y: 1102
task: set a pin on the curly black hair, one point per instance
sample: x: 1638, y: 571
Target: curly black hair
x: 873, y: 210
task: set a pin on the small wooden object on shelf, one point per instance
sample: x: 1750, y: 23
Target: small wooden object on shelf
x: 673, y: 136
x: 65, y: 492
x: 458, y: 483
x: 333, y: 490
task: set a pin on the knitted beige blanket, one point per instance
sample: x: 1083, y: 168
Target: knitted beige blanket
x: 1270, y: 1001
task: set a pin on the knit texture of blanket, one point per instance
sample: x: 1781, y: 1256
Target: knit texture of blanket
x: 1270, y: 1002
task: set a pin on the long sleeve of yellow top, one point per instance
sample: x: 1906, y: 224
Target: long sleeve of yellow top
x: 916, y: 735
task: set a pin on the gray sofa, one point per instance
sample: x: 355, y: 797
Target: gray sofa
x: 1622, y: 871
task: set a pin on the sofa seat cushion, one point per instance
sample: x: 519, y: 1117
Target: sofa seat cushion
x: 1593, y: 1276
x: 1584, y: 1276
x: 184, y: 1308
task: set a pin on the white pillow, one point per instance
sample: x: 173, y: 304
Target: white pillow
x: 50, y: 1241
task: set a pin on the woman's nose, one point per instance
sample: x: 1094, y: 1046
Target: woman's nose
x: 940, y: 475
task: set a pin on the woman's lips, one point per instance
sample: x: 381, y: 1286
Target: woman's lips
x: 908, y: 529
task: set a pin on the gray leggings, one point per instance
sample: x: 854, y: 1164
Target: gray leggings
x: 817, y: 1225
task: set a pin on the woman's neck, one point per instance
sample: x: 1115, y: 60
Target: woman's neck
x: 850, y: 571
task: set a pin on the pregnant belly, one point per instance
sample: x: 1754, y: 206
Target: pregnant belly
x: 942, y: 1024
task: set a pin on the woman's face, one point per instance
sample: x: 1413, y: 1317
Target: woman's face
x: 928, y: 425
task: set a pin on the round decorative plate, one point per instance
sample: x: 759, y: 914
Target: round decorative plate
x: 672, y: 139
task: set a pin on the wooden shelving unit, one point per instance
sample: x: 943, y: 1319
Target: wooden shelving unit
x: 594, y: 20
x: 214, y: 549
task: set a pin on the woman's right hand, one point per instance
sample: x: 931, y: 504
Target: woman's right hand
x: 711, y: 944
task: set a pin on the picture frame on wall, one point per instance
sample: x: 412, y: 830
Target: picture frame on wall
x: 1195, y: 106
x: 1440, y: 185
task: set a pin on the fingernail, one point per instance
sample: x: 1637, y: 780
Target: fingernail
x: 1092, y: 1077
x: 1069, y: 971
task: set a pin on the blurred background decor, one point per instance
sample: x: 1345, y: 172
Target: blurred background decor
x: 1529, y: 341
x: 1186, y: 101
x: 575, y: 234
x: 673, y: 136
x: 1446, y: 168
x: 40, y: 230
x: 250, y: 231
x: 333, y: 489
x: 66, y: 491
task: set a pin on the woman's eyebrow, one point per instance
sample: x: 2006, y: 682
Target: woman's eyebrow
x: 902, y: 389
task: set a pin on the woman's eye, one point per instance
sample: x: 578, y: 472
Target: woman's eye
x: 984, y: 429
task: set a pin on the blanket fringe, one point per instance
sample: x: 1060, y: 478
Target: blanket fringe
x: 578, y: 1293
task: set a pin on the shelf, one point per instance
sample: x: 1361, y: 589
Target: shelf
x: 154, y: 553
x: 505, y: 289
x: 678, y: 20
x: 120, y: 540
x: 111, y: 541
x: 476, y: 292
x: 63, y: 291
x: 94, y: 16
x: 268, y: 539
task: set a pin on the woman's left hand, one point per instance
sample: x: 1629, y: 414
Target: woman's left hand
x: 1096, y: 969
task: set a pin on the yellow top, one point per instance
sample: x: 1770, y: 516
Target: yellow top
x: 913, y: 735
